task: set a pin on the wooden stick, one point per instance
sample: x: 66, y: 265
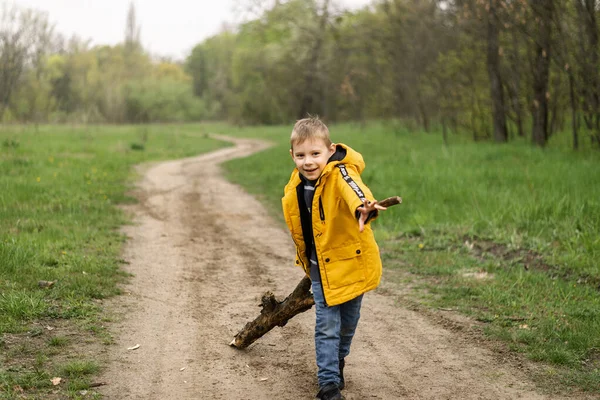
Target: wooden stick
x: 278, y: 313
x: 275, y: 313
x: 390, y: 201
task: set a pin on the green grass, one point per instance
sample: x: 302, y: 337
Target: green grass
x: 79, y: 369
x: 60, y: 188
x: 534, y: 215
x: 58, y: 341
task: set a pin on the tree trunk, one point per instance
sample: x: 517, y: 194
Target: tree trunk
x: 573, y: 111
x: 516, y: 86
x: 589, y: 67
x: 444, y: 131
x: 423, y: 112
x: 541, y: 71
x: 555, y: 114
x: 493, y: 67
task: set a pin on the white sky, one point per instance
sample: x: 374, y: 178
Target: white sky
x: 168, y: 27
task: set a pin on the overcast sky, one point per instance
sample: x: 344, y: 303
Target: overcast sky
x: 168, y: 27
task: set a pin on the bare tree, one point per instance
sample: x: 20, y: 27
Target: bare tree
x: 132, y: 32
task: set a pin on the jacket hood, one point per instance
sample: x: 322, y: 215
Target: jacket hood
x: 344, y: 154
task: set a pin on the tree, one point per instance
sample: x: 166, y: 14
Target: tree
x: 493, y: 67
x: 24, y: 40
x: 311, y: 73
x: 543, y: 11
x: 588, y: 55
x: 132, y: 32
x: 210, y: 65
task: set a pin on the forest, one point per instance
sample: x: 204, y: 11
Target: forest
x: 494, y: 70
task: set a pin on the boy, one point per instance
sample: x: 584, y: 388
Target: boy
x: 327, y: 207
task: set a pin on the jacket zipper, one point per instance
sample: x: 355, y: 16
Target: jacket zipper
x: 321, y: 211
x: 322, y: 217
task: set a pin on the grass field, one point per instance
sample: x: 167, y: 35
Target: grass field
x: 60, y: 243
x: 507, y: 234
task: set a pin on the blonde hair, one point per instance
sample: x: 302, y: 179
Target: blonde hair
x: 309, y: 128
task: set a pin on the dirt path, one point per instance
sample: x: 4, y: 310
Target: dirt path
x: 202, y: 251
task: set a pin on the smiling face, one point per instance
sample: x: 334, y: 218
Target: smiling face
x: 311, y: 157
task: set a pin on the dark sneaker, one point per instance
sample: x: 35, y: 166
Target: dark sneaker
x: 342, y: 384
x: 331, y: 391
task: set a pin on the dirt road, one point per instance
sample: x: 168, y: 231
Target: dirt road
x: 202, y: 251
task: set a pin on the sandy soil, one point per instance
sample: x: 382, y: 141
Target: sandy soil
x: 202, y: 251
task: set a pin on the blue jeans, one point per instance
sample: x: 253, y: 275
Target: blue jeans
x: 334, y: 330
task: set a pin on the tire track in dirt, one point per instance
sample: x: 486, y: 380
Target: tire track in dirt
x: 202, y: 252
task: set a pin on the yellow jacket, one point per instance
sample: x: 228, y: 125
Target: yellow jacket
x: 349, y: 260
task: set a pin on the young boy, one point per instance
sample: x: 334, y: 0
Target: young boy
x: 327, y: 208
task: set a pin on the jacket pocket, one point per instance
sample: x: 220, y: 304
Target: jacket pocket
x: 344, y: 266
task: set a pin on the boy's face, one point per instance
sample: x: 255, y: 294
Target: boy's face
x: 311, y: 157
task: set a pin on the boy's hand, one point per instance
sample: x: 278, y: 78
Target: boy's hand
x: 365, y: 210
